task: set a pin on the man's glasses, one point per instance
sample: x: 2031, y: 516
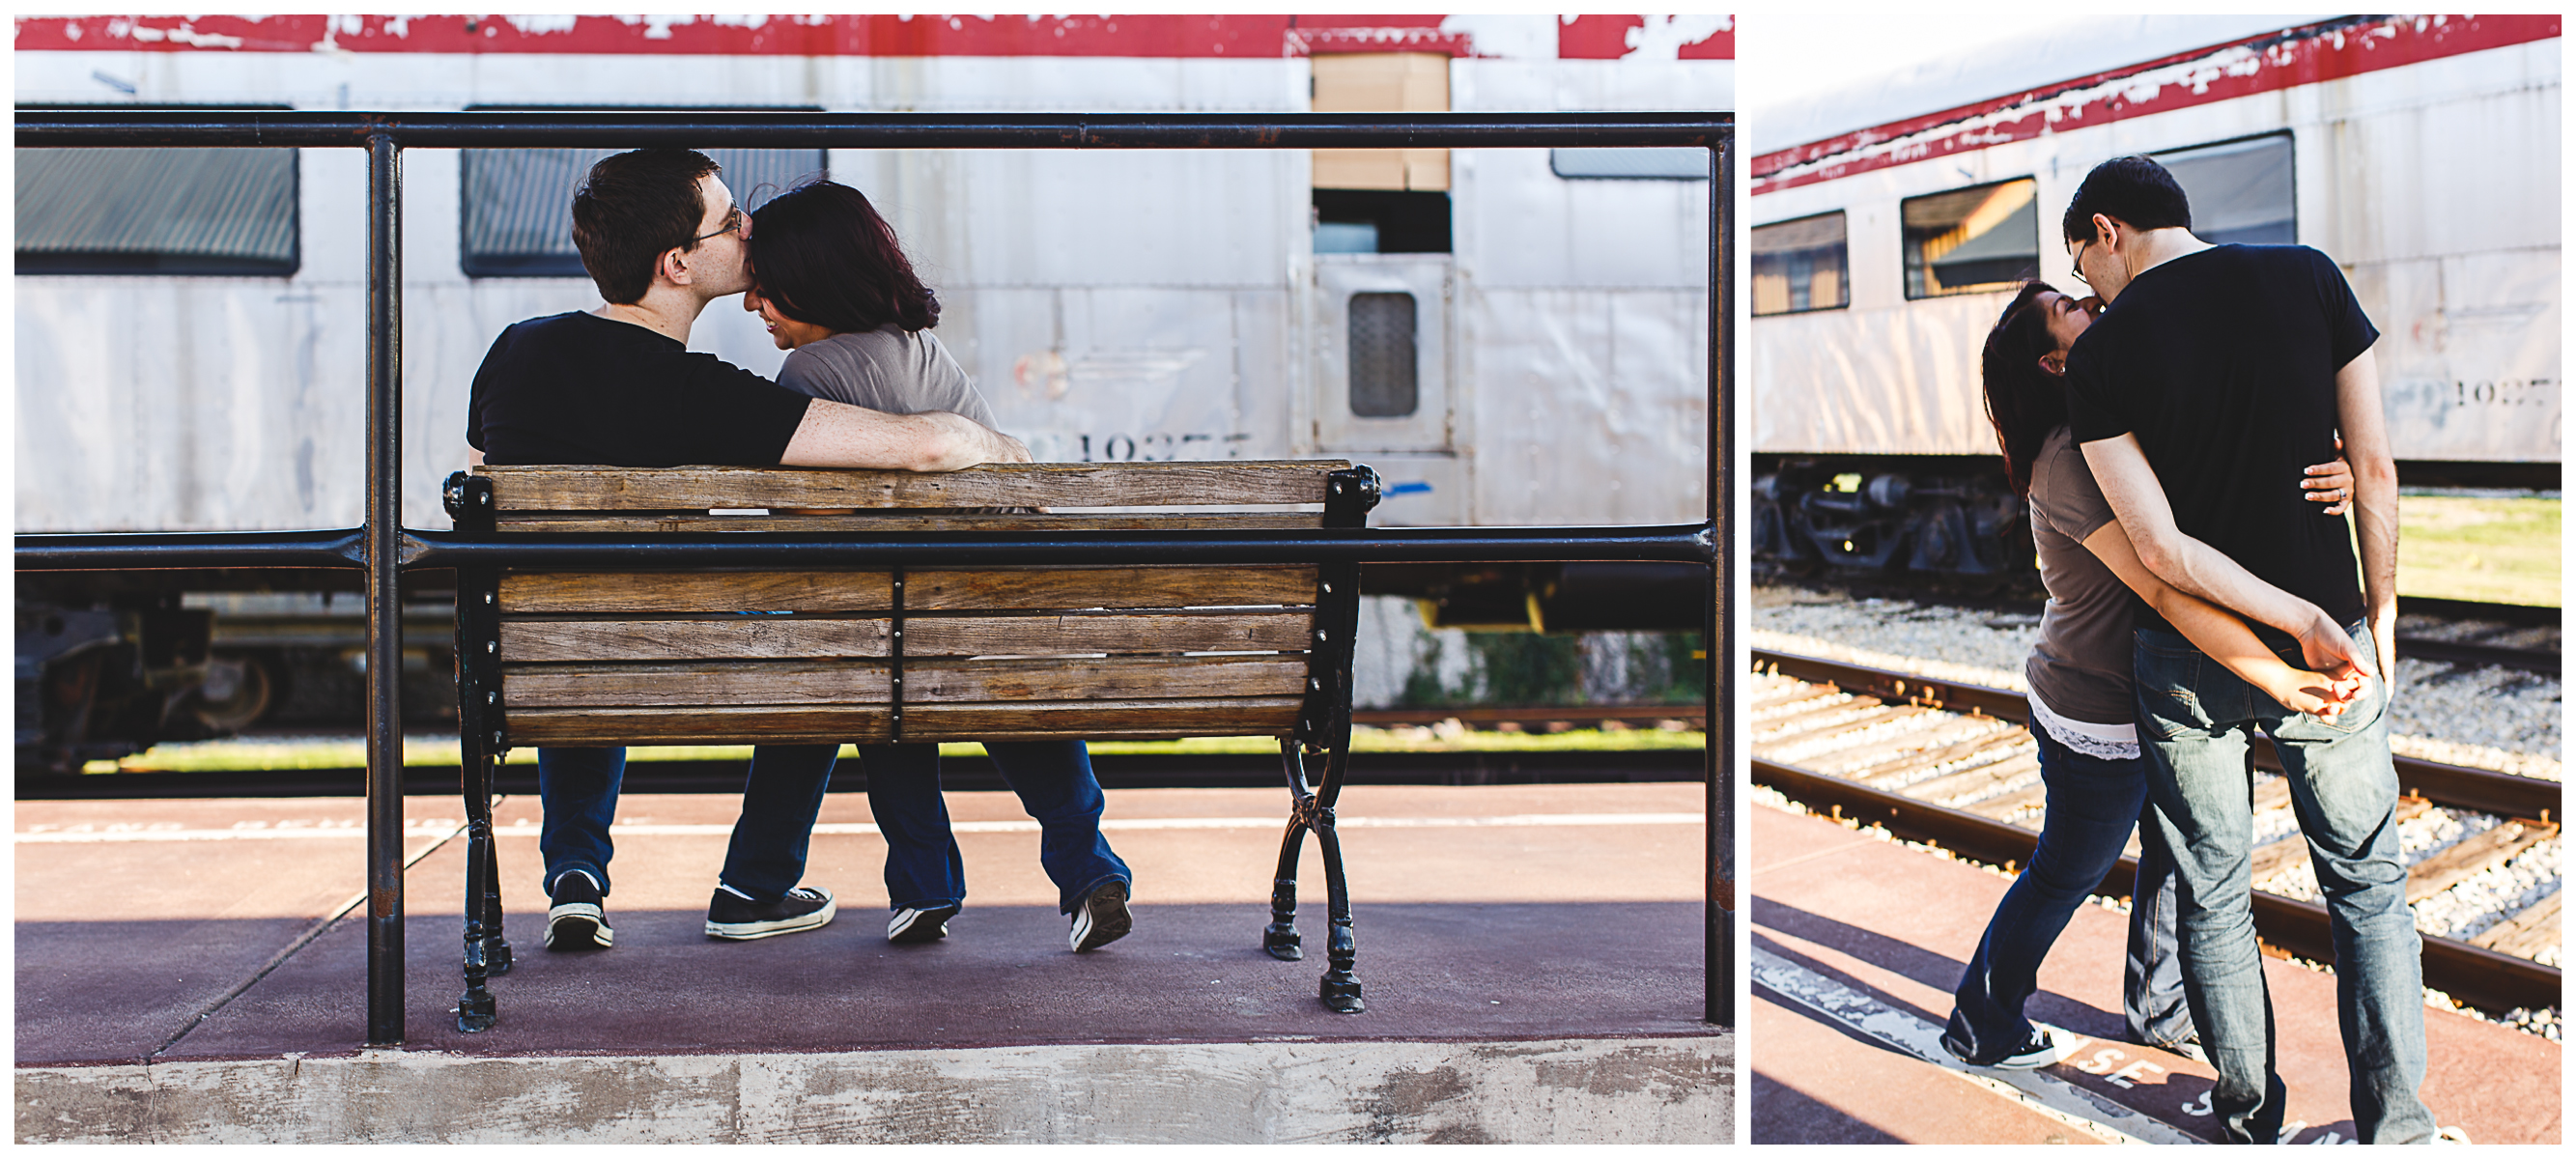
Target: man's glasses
x: 733, y: 221
x: 2078, y: 260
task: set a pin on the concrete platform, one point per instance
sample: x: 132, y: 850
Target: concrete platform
x: 1841, y: 909
x: 1525, y: 949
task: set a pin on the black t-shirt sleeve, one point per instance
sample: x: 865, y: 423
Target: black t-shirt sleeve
x: 2349, y: 329
x: 739, y: 417
x: 2092, y: 410
x: 483, y: 388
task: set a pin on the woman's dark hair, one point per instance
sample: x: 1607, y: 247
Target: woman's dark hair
x: 821, y: 253
x: 2023, y: 401
x: 633, y: 208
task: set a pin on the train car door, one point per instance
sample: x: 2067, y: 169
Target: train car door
x: 1380, y: 305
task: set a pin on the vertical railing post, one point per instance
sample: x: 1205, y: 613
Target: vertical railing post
x: 384, y: 593
x: 1720, y: 636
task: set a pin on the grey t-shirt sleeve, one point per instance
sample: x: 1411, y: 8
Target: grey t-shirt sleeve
x: 2063, y: 491
x: 885, y: 370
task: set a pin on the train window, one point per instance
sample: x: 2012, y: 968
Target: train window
x: 1970, y: 240
x: 2240, y: 191
x: 1800, y: 266
x: 1383, y: 366
x: 518, y: 202
x: 158, y: 211
x: 1630, y: 164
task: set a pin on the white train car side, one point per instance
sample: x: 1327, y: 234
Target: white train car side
x: 1130, y: 305
x: 2421, y: 153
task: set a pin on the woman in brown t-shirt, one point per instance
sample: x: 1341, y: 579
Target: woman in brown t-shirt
x: 2080, y: 702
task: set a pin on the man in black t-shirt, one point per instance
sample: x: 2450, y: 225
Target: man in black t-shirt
x: 2215, y: 375
x: 617, y: 386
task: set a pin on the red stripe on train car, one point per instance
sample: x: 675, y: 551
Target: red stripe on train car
x: 2310, y: 54
x: 1589, y: 37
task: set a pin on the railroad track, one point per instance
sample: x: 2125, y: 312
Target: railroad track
x: 2503, y: 646
x: 1952, y: 764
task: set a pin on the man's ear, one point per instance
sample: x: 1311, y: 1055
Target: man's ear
x: 2108, y: 231
x: 2053, y: 364
x: 673, y: 266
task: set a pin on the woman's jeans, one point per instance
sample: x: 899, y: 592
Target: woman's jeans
x: 1055, y: 784
x: 2196, y: 720
x: 782, y: 793
x: 2093, y: 803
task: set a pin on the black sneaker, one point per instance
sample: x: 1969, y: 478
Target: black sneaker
x: 577, y: 921
x: 2037, y: 1051
x: 734, y: 917
x: 1102, y: 917
x: 911, y: 927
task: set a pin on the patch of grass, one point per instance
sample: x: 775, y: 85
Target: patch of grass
x: 242, y: 756
x: 2463, y: 548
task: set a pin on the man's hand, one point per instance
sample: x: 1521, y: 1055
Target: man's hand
x: 2329, y: 651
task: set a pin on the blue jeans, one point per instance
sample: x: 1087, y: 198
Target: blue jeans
x: 781, y: 795
x: 2195, y: 720
x: 2093, y: 803
x: 1054, y: 783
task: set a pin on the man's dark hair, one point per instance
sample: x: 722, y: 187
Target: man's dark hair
x: 2132, y: 190
x: 633, y: 208
x: 823, y: 256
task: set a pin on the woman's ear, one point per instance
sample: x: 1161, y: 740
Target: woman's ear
x: 2054, y: 363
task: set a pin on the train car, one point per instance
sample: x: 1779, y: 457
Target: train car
x: 1507, y: 335
x: 1890, y: 223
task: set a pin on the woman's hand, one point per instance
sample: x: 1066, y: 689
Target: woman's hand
x: 2300, y: 690
x: 2330, y: 483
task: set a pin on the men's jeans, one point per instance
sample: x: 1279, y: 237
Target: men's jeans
x: 2093, y: 803
x: 781, y: 795
x: 2195, y: 720
x: 1055, y: 784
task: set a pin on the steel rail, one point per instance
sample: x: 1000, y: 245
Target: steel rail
x: 2473, y: 974
x: 2544, y: 660
x: 88, y: 128
x: 385, y: 550
x: 2454, y: 786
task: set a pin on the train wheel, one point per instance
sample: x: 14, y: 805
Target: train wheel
x: 237, y: 692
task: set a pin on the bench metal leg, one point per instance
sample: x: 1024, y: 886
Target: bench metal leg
x: 1341, y: 988
x: 486, y: 953
x: 1280, y: 937
x: 1312, y: 811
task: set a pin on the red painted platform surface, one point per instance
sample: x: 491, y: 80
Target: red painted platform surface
x: 1900, y: 925
x: 1466, y: 931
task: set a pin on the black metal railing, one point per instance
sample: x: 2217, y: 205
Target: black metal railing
x: 385, y: 549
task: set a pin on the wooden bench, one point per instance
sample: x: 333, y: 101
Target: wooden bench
x: 660, y: 656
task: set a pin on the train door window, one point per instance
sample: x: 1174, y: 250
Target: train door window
x: 1384, y: 380
x: 159, y: 211
x: 2241, y: 191
x: 1800, y: 266
x: 518, y: 202
x: 1968, y: 241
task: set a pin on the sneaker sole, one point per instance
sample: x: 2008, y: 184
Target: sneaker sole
x: 578, y: 926
x: 1104, y: 918
x: 754, y: 931
x: 920, y: 928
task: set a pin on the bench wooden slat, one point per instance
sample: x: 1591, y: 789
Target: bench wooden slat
x: 763, y: 724
x: 1095, y: 679
x: 1096, y: 719
x: 1052, y: 485
x: 879, y: 524
x: 1108, y: 587
x: 740, y: 638
x: 643, y: 591
x: 1057, y: 635
x: 682, y: 685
